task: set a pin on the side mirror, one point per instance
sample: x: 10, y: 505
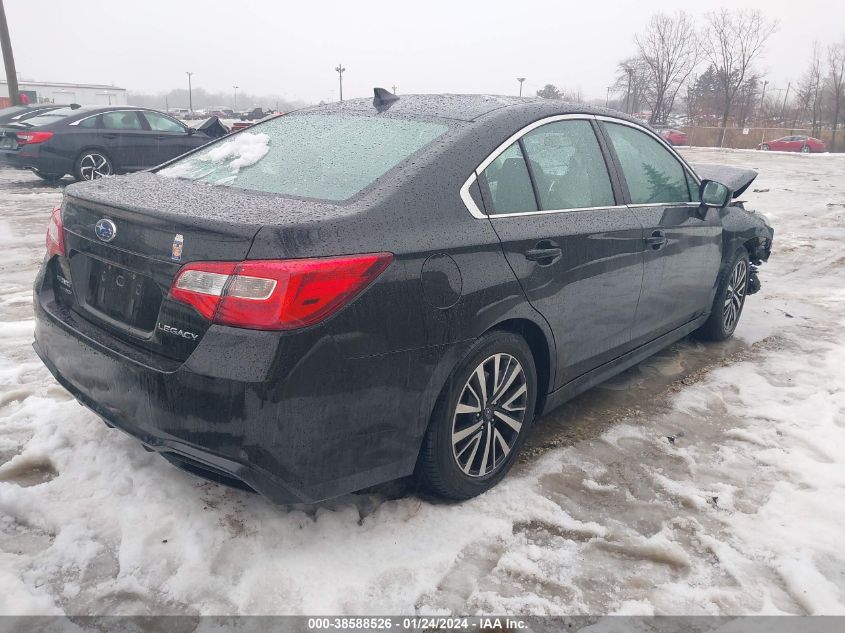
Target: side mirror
x: 714, y: 194
x: 191, y: 130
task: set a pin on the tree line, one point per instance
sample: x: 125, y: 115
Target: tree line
x: 707, y: 74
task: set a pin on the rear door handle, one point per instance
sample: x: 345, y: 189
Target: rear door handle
x: 657, y: 240
x: 544, y: 253
x: 110, y: 136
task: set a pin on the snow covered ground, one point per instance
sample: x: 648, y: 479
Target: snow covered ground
x: 707, y: 480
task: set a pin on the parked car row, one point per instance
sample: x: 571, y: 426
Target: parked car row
x: 90, y: 142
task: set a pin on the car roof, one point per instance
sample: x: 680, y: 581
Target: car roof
x: 466, y: 107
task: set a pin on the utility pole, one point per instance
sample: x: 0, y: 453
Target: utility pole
x: 190, y: 97
x: 9, y: 60
x: 235, y: 104
x: 630, y: 72
x: 762, y: 122
x: 520, y: 80
x: 783, y: 108
x: 607, y: 97
x: 340, y: 69
x: 394, y: 89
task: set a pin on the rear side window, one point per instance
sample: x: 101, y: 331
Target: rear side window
x: 330, y: 157
x: 90, y: 122
x: 653, y: 174
x: 121, y: 121
x: 507, y: 183
x: 51, y: 116
x: 568, y: 167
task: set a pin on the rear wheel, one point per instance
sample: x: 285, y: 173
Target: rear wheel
x: 92, y: 164
x: 47, y: 177
x: 729, y: 300
x: 481, y: 418
x: 805, y: 149
x: 764, y: 147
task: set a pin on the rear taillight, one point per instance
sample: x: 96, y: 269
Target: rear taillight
x: 275, y: 294
x: 55, y: 239
x: 30, y: 138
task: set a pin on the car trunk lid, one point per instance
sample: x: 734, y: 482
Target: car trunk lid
x: 126, y: 239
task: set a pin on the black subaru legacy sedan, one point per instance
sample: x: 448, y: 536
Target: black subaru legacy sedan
x: 356, y: 292
x: 89, y: 142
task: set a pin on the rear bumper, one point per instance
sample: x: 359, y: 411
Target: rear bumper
x: 299, y: 430
x: 33, y: 157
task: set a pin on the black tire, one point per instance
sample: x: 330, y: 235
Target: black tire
x: 92, y: 164
x: 805, y: 149
x: 438, y: 468
x: 47, y: 177
x: 764, y: 147
x: 719, y: 326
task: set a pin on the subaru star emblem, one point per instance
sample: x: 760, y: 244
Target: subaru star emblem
x: 105, y: 230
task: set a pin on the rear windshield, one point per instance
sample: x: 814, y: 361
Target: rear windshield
x: 11, y: 111
x: 45, y: 118
x: 329, y: 157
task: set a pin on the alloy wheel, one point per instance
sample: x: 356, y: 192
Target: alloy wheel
x: 806, y: 149
x: 489, y: 415
x: 93, y: 166
x: 735, y: 295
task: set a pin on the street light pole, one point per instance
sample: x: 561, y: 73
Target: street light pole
x: 235, y: 105
x: 190, y: 96
x: 607, y: 97
x: 340, y: 69
x: 520, y: 80
x: 8, y: 59
x: 394, y: 89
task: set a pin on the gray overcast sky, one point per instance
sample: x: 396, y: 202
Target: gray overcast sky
x: 292, y: 48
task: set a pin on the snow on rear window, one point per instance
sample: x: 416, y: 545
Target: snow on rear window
x: 221, y: 163
x: 330, y: 157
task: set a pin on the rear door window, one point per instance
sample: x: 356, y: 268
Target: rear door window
x: 329, y: 157
x: 652, y: 172
x: 507, y: 183
x: 568, y: 167
x: 121, y: 121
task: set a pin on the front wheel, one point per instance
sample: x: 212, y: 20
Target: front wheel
x: 481, y: 418
x: 764, y: 147
x: 729, y: 300
x: 92, y: 164
x: 805, y: 149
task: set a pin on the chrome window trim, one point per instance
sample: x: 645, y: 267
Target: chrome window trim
x: 546, y: 211
x: 477, y: 213
x: 91, y: 116
x: 469, y: 203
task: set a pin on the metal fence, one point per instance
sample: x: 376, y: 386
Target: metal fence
x: 751, y: 137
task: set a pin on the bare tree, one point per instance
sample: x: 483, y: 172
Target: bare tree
x: 670, y: 52
x: 836, y: 85
x: 732, y: 41
x: 631, y: 81
x: 810, y: 89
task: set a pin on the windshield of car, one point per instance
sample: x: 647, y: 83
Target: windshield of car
x: 330, y: 157
x: 51, y: 116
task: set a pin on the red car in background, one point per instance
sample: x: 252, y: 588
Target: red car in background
x: 797, y: 143
x: 674, y: 137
